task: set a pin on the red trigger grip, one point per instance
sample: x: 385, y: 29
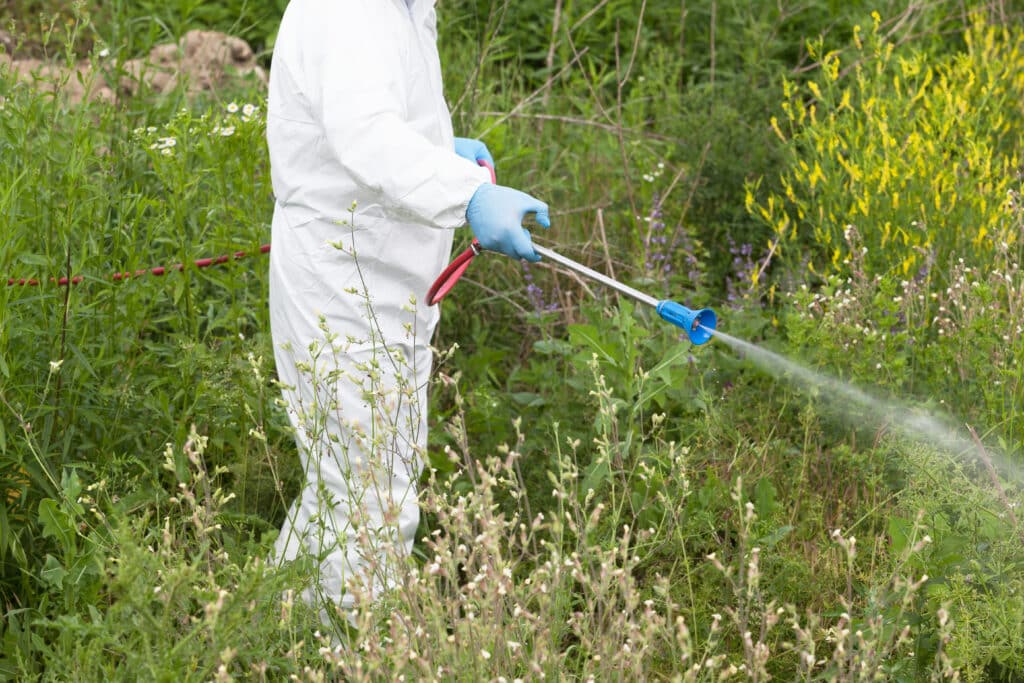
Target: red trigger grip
x: 450, y: 275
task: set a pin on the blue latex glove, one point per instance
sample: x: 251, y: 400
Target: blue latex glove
x: 473, y: 150
x: 496, y: 213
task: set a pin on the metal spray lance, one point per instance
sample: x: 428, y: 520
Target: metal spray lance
x: 698, y: 324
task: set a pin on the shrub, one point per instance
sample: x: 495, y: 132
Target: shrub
x: 921, y: 157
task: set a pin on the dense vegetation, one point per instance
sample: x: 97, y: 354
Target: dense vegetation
x: 840, y: 180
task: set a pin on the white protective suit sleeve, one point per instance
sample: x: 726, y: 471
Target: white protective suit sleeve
x: 415, y: 180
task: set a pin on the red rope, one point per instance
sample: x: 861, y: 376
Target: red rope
x: 158, y: 271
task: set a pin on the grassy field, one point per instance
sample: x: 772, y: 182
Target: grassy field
x: 840, y: 181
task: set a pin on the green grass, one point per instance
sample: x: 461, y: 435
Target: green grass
x: 604, y: 500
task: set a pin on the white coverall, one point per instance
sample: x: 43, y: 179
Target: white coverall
x: 357, y: 117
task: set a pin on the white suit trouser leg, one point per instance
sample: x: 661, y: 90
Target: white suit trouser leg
x: 361, y: 428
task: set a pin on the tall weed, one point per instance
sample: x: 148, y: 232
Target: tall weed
x: 920, y: 157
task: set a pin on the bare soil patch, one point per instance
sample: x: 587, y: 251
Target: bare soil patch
x: 203, y: 61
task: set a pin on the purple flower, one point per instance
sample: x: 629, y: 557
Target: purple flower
x: 535, y: 294
x: 739, y: 281
x: 657, y: 257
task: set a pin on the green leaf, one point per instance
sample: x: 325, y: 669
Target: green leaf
x: 649, y: 395
x: 671, y: 358
x: 8, y: 670
x: 34, y: 260
x: 18, y: 553
x: 765, y: 497
x: 586, y: 335
x: 899, y: 532
x: 53, y: 573
x: 774, y: 537
x: 82, y: 571
x: 528, y: 399
x: 56, y: 523
x: 597, y: 473
x: 83, y: 360
x: 552, y: 347
x: 5, y: 530
x: 72, y: 485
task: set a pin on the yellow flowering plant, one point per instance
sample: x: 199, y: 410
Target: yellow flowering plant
x: 921, y: 156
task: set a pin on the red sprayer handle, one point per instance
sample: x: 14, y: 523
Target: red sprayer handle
x: 450, y: 275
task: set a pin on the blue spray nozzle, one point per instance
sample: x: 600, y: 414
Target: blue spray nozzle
x: 698, y: 325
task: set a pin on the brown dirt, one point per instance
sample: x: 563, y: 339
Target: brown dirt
x: 205, y: 61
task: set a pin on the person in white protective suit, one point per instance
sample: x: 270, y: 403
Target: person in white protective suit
x: 369, y: 184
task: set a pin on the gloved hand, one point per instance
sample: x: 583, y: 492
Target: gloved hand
x: 496, y: 213
x: 473, y: 150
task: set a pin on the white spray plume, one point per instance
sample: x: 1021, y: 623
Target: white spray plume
x: 922, y: 427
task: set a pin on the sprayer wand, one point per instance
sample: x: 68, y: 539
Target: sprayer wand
x: 698, y: 325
